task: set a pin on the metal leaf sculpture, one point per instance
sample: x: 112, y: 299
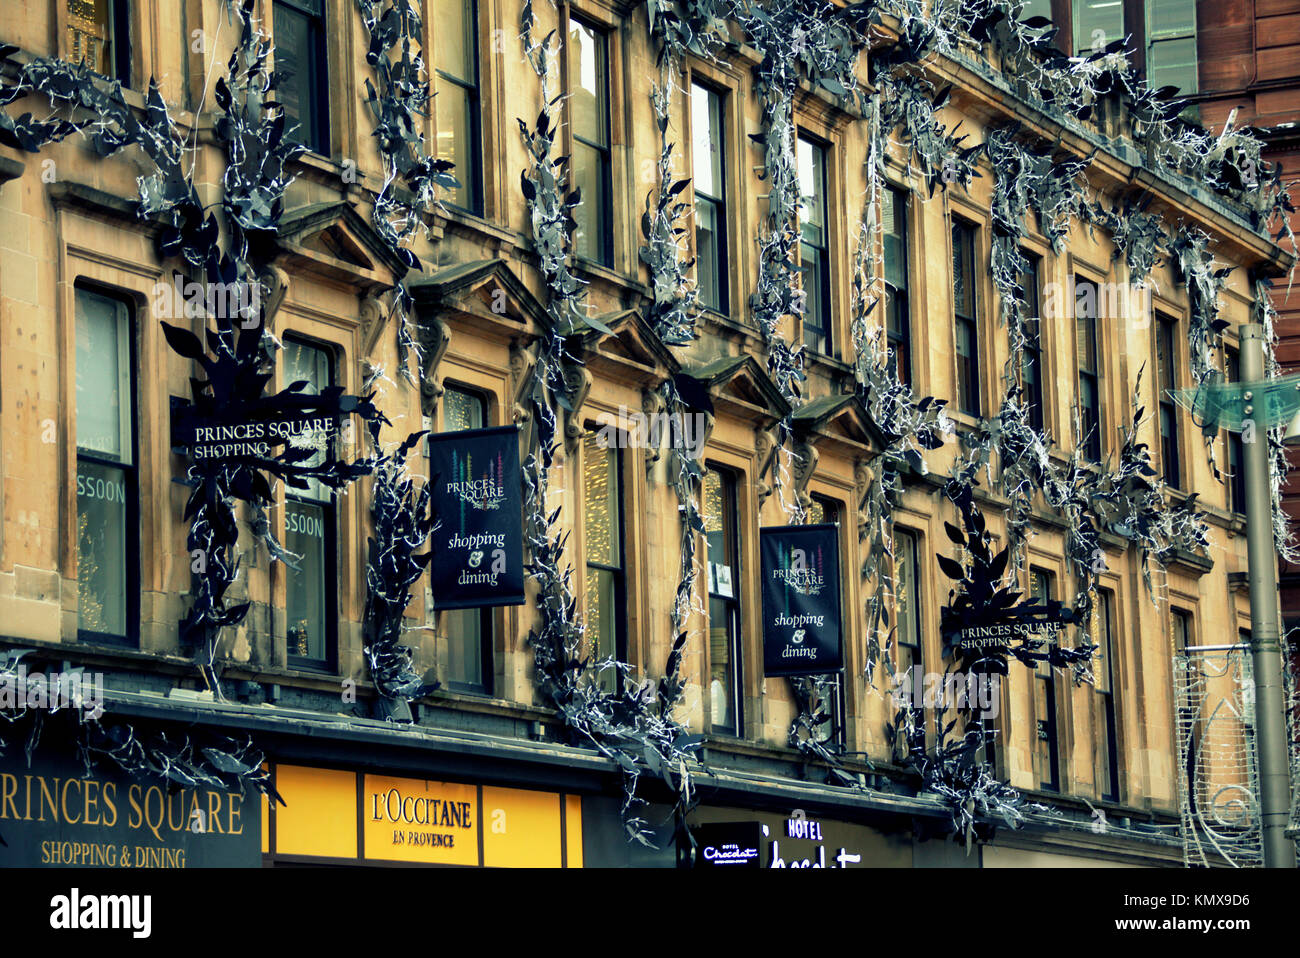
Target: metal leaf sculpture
x: 397, y: 106
x: 403, y: 522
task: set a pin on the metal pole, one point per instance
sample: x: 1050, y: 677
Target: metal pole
x: 1266, y: 649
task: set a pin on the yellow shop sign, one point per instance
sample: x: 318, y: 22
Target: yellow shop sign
x: 343, y: 815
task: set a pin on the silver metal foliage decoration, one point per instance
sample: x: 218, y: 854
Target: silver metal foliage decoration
x: 398, y: 105
x: 1284, y: 539
x: 634, y: 726
x: 403, y: 521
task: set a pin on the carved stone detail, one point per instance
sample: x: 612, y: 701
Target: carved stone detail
x: 577, y: 384
x: 435, y: 337
x: 652, y: 405
x: 275, y: 283
x: 523, y: 370
x: 803, y: 466
x: 766, y: 448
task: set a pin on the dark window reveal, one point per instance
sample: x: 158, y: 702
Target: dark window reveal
x: 1031, y: 364
x: 898, y: 322
x: 965, y: 305
x: 1047, y: 736
x: 466, y: 637
x: 709, y: 172
x: 907, y: 606
x: 456, y: 84
x: 299, y: 27
x: 1101, y: 634
x: 721, y: 519
x: 1086, y: 298
x: 1236, y: 448
x: 814, y: 247
x: 311, y: 590
x: 588, y: 64
x: 108, y: 537
x: 1166, y: 381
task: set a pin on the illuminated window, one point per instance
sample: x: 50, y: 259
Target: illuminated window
x: 606, y: 608
x: 814, y: 247
x: 708, y: 164
x: 1101, y: 634
x: 99, y: 35
x: 108, y: 545
x: 299, y: 27
x: 1086, y: 308
x: 589, y: 120
x: 720, y: 525
x: 456, y: 83
x: 965, y: 305
x: 1047, y: 736
x: 311, y: 590
x: 1166, y: 381
x: 1031, y: 359
x: 465, y: 639
x: 897, y: 302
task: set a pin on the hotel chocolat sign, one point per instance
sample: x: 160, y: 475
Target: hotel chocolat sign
x: 52, y: 816
x: 478, y: 553
x: 801, y: 599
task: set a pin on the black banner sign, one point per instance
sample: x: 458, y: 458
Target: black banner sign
x: 801, y: 599
x: 478, y: 551
x: 50, y: 816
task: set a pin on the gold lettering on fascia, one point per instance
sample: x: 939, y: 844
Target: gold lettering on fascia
x: 96, y: 804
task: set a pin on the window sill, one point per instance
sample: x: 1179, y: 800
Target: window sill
x: 589, y: 267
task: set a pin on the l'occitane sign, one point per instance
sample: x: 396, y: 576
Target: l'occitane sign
x: 411, y: 820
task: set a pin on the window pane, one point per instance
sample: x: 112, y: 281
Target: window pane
x: 453, y: 25
x: 311, y: 364
x: 908, y: 610
x: 720, y: 671
x: 590, y: 84
x: 1099, y: 635
x: 1173, y: 63
x: 707, y: 253
x: 460, y: 651
x: 812, y: 186
x: 590, y: 173
x: 455, y: 115
x: 462, y: 410
x: 1085, y: 330
x: 101, y: 548
x: 963, y: 287
x: 814, y: 316
x: 601, y: 502
x: 300, y: 57
x: 894, y: 221
x: 1040, y: 587
x: 1097, y: 23
x: 103, y: 378
x: 602, y: 616
x: 306, y: 588
x: 706, y: 135
x: 1171, y: 16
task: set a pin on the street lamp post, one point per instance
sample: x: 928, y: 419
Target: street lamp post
x: 1265, y: 643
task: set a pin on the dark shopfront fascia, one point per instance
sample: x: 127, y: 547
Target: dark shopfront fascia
x: 457, y: 798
